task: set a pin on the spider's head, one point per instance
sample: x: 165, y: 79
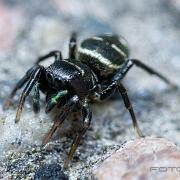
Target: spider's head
x: 54, y: 80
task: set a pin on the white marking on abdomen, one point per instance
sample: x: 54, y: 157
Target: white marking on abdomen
x: 118, y: 50
x: 98, y: 56
x: 76, y: 66
x: 97, y: 38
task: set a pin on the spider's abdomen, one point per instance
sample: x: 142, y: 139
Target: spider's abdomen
x: 104, y: 54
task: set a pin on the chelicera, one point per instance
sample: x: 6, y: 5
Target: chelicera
x: 91, y: 73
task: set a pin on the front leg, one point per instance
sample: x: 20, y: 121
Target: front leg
x: 66, y: 109
x: 87, y: 116
x: 18, y: 86
x: 33, y: 80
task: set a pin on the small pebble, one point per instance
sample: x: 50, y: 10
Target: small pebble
x: 50, y: 172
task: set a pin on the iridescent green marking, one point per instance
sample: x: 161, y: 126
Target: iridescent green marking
x: 54, y: 100
x: 60, y: 94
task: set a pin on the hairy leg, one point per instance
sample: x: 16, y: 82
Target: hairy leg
x: 18, y: 86
x: 66, y: 109
x: 33, y: 80
x: 87, y: 115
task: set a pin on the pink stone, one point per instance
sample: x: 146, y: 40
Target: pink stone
x: 11, y: 23
x: 147, y: 158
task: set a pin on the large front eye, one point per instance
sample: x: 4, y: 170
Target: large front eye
x: 57, y: 80
x: 49, y: 77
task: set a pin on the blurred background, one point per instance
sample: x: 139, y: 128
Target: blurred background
x: 32, y: 28
x: 29, y: 29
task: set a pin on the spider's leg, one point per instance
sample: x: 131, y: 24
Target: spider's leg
x: 129, y: 107
x: 57, y: 54
x: 72, y: 46
x: 120, y: 74
x: 152, y: 71
x: 54, y: 99
x: 36, y: 98
x: 8, y: 102
x: 105, y: 93
x: 87, y: 115
x: 116, y: 82
x: 53, y: 129
x: 19, y: 85
x: 33, y: 79
x: 108, y: 91
x: 68, y: 107
x: 129, y: 63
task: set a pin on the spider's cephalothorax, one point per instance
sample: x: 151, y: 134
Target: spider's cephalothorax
x: 92, y: 72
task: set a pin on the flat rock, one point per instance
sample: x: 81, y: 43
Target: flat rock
x: 147, y: 158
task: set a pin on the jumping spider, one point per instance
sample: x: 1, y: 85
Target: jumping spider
x: 92, y: 72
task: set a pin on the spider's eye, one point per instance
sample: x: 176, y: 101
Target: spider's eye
x: 57, y: 80
x: 49, y: 76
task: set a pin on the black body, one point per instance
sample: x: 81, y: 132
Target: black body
x: 92, y: 72
x: 69, y: 74
x: 105, y: 54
